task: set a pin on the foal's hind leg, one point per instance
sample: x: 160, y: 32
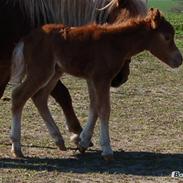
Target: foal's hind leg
x: 40, y: 99
x: 19, y: 97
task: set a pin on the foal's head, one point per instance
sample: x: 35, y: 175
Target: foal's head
x: 161, y: 42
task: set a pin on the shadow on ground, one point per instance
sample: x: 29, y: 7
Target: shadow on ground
x: 134, y: 163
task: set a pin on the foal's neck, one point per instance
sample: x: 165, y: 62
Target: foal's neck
x: 132, y: 40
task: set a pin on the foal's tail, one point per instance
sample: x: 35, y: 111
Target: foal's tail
x: 17, y: 64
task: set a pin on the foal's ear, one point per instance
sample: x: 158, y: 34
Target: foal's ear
x: 155, y: 17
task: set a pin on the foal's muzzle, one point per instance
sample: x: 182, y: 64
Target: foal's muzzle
x: 176, y: 61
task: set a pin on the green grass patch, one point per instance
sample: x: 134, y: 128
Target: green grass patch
x: 164, y: 5
x: 167, y: 5
x: 176, y: 20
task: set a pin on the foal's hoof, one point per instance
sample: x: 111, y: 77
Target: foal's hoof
x: 76, y: 139
x: 108, y: 158
x: 61, y: 146
x: 81, y: 149
x: 17, y: 153
x: 91, y: 144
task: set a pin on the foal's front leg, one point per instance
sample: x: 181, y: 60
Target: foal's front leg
x: 99, y: 107
x: 103, y: 109
x: 87, y: 132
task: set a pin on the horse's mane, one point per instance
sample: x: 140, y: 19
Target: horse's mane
x: 70, y: 12
x: 131, y: 8
x: 138, y: 7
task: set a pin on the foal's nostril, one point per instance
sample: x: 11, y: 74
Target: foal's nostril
x: 181, y: 58
x: 178, y: 60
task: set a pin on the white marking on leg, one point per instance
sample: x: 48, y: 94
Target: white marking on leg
x: 16, y: 132
x: 87, y: 132
x: 75, y: 138
x: 105, y: 139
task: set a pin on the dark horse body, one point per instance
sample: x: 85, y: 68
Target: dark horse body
x: 16, y: 23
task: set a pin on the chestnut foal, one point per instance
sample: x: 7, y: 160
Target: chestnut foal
x: 93, y: 52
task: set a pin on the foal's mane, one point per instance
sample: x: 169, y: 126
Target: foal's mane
x: 96, y: 31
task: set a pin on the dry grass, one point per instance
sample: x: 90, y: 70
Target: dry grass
x: 146, y: 132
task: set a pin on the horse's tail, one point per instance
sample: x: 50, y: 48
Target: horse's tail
x: 18, y: 64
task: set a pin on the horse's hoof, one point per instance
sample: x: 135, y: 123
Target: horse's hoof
x: 81, y: 149
x: 108, y: 158
x: 17, y: 154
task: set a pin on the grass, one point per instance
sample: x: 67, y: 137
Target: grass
x: 175, y: 6
x: 145, y: 125
x: 164, y: 5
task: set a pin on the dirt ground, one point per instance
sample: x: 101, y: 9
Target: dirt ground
x: 146, y: 129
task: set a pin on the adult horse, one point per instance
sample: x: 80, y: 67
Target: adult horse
x: 19, y: 17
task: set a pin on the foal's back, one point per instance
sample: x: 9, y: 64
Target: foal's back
x: 73, y: 49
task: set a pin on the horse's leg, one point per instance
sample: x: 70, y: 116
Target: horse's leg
x: 19, y: 97
x: 87, y: 132
x: 40, y: 100
x: 122, y: 76
x: 4, y: 77
x: 62, y: 96
x: 3, y: 87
